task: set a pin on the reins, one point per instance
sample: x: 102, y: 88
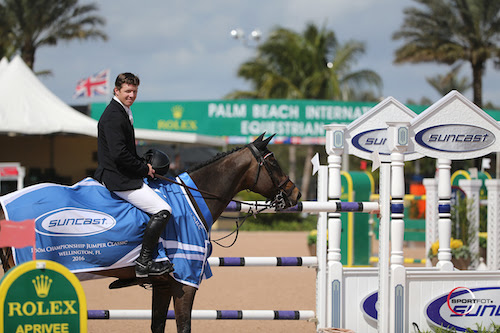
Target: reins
x: 214, y: 196
x: 238, y: 226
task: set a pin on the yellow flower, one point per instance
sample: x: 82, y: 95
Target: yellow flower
x: 458, y: 249
x: 313, y: 235
x: 435, y: 247
x: 456, y: 243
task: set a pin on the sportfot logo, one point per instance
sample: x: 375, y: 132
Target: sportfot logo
x: 463, y: 307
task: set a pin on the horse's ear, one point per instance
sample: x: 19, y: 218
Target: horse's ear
x: 260, y: 138
x: 266, y: 141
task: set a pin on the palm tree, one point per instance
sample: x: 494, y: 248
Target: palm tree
x: 311, y: 65
x: 443, y: 84
x: 452, y: 31
x: 27, y: 25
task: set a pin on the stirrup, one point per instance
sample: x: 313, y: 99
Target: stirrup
x: 153, y: 268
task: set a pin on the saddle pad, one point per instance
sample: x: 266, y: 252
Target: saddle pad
x: 87, y: 228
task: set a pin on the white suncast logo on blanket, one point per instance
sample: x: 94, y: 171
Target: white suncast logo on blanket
x: 74, y: 222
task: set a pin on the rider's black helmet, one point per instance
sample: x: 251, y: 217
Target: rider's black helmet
x: 158, y: 160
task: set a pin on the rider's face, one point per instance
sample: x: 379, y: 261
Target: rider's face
x: 126, y: 94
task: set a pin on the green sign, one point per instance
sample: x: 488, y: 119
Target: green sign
x: 293, y: 121
x: 244, y: 118
x: 42, y: 297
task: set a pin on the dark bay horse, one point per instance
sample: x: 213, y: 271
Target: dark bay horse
x: 252, y: 167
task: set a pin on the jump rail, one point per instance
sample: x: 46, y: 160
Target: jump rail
x: 207, y: 314
x: 305, y: 207
x: 263, y: 261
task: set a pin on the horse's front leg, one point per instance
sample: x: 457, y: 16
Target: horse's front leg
x: 183, y: 305
x: 161, y: 302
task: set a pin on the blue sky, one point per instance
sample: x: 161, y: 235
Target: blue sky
x: 182, y: 50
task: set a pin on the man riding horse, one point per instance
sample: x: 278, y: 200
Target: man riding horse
x: 122, y: 171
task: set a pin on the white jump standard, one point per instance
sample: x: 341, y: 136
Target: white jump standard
x: 452, y: 128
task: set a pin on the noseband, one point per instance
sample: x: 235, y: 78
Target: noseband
x: 282, y: 199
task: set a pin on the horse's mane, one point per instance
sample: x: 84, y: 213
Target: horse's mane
x: 213, y: 159
x: 259, y: 144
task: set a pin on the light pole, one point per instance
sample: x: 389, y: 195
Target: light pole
x: 254, y: 36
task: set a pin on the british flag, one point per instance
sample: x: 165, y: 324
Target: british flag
x: 95, y: 85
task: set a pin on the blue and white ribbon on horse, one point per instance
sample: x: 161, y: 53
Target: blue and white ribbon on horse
x: 87, y: 228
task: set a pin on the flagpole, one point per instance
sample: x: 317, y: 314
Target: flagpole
x: 110, y: 86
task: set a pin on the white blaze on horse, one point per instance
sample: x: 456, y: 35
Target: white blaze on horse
x: 104, y: 232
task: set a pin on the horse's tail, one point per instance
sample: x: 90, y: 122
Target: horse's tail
x: 6, y: 258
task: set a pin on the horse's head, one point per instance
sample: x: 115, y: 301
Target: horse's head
x: 269, y: 179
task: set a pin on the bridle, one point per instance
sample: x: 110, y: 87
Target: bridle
x: 282, y: 199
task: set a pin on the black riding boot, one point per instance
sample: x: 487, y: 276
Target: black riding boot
x: 145, y: 265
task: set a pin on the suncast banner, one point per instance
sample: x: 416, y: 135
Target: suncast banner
x: 455, y: 138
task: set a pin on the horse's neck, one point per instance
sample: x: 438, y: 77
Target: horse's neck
x: 224, y: 178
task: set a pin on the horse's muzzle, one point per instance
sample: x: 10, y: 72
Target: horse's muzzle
x: 283, y: 199
x: 295, y: 196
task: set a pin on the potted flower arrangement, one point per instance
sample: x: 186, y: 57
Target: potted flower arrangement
x: 483, y: 241
x: 311, y: 241
x: 460, y: 253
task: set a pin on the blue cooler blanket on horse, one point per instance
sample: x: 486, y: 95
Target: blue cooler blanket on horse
x: 87, y: 228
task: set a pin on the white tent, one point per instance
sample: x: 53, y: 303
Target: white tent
x: 3, y: 64
x: 28, y: 107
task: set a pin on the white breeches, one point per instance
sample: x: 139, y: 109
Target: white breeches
x: 145, y: 198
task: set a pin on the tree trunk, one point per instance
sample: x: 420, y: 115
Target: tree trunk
x: 306, y: 177
x: 477, y: 83
x: 477, y: 87
x: 28, y: 54
x: 292, y: 160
